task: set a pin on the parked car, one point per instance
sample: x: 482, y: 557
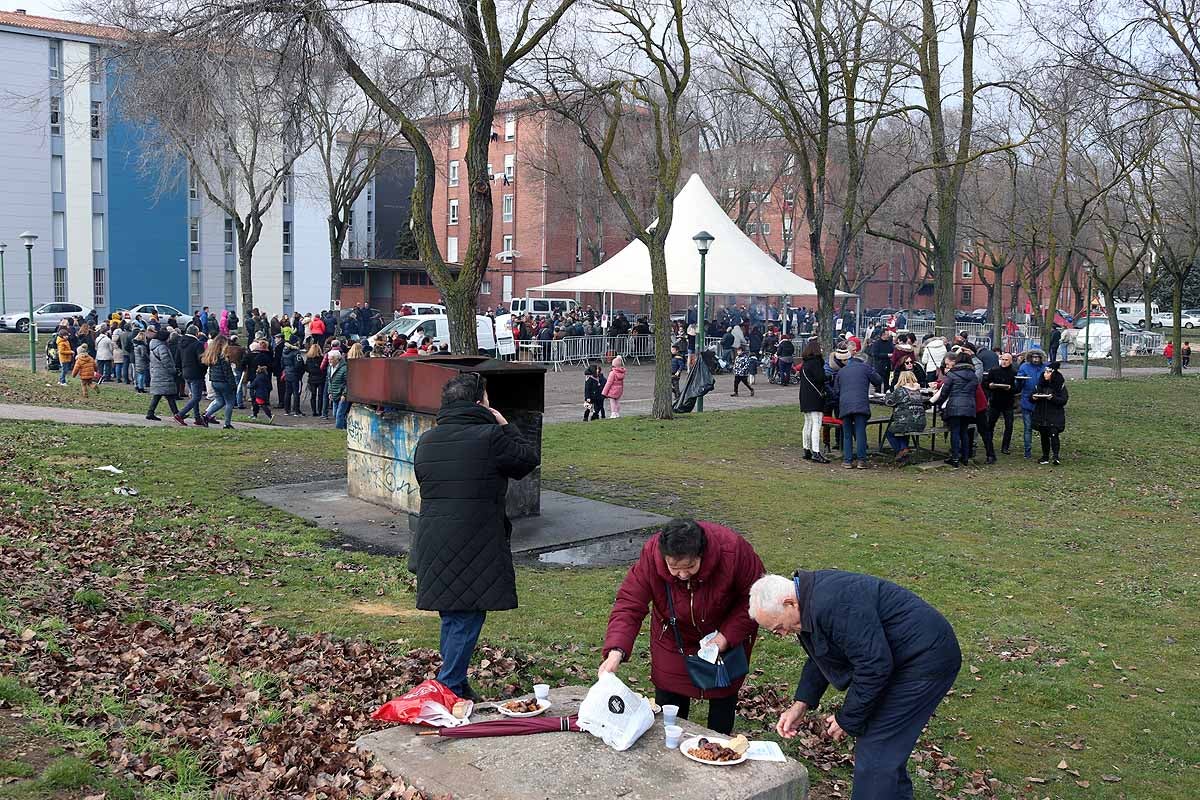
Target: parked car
x: 146, y: 309
x: 46, y: 317
x: 1125, y: 327
x: 1135, y: 313
x: 437, y: 327
x: 427, y: 309
x: 1167, y: 320
x: 541, y: 306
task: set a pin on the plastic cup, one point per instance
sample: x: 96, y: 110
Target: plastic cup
x: 541, y: 691
x: 674, y: 733
x: 670, y: 714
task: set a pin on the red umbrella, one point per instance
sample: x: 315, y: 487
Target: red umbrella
x: 508, y: 727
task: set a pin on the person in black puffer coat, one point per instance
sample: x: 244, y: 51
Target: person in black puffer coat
x: 1050, y: 410
x: 813, y: 397
x: 957, y: 396
x: 461, y: 552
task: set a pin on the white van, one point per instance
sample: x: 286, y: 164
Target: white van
x: 419, y: 326
x: 428, y: 309
x: 541, y: 306
x: 1135, y: 313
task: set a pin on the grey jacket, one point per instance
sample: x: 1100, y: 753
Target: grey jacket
x: 162, y: 369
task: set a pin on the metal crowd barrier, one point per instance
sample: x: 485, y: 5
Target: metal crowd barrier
x: 582, y: 350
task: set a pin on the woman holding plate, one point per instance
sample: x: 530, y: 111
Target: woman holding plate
x: 694, y: 580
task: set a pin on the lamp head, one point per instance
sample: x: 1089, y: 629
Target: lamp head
x: 703, y: 241
x: 29, y: 237
x: 3, y: 247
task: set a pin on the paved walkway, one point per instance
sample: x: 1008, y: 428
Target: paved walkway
x: 87, y: 416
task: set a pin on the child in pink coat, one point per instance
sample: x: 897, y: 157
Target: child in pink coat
x: 614, y: 387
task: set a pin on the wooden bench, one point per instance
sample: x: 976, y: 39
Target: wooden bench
x: 834, y: 424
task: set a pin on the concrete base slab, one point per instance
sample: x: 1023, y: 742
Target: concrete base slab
x: 381, y: 531
x: 574, y: 765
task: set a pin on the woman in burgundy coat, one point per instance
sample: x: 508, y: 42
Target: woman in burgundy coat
x: 710, y: 570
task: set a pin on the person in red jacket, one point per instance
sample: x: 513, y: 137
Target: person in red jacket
x: 709, y: 570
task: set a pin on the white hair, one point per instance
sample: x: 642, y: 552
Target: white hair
x: 767, y: 595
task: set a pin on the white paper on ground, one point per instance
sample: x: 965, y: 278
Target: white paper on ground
x: 110, y: 468
x: 765, y: 751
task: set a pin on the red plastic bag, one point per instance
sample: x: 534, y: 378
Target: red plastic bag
x: 428, y: 703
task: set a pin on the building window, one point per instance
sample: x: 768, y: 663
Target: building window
x: 194, y: 235
x: 56, y: 174
x: 453, y: 212
x: 506, y: 208
x: 578, y: 249
x: 193, y: 184
x: 485, y: 287
x: 507, y: 247
x: 370, y: 248
x: 454, y: 136
x: 288, y: 286
x: 58, y: 230
x: 967, y: 295
x: 789, y: 164
x: 97, y: 231
x: 55, y: 59
x: 453, y: 175
x: 60, y: 284
x: 194, y: 289
x: 789, y: 257
x: 352, y: 277
x: 789, y: 194
x: 510, y: 127
x: 968, y: 270
x: 230, y: 239
x: 452, y: 249
x: 370, y: 221
x: 765, y: 228
x: 95, y: 63
x: 55, y: 115
x: 371, y: 192
x: 287, y: 238
x: 97, y: 176
x: 97, y: 287
x: 751, y: 228
x: 350, y: 222
x: 510, y: 167
x: 94, y: 120
x: 351, y: 249
x: 288, y: 187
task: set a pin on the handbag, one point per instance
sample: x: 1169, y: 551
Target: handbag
x: 731, y: 665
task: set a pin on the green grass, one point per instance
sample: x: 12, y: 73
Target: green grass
x: 1073, y: 590
x: 14, y: 345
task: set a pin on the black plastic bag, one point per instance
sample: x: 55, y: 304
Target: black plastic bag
x: 699, y: 383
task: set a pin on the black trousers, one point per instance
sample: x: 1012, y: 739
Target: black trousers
x: 994, y: 415
x: 742, y: 380
x: 1049, y: 442
x: 720, y: 711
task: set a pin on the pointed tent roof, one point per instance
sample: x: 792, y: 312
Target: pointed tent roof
x: 735, y: 264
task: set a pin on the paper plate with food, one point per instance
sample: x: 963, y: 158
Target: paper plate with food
x: 714, y: 750
x: 523, y: 708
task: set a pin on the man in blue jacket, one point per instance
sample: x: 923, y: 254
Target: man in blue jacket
x: 852, y: 388
x: 894, y: 654
x: 1031, y: 371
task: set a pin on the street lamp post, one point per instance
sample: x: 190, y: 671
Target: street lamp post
x: 703, y: 241
x: 3, y: 290
x: 29, y: 238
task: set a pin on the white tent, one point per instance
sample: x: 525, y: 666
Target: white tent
x: 735, y: 265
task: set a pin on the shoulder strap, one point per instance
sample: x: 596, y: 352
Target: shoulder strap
x: 672, y: 621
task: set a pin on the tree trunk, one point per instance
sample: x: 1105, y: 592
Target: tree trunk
x: 660, y: 318
x: 825, y: 301
x: 943, y: 278
x: 996, y: 306
x: 245, y: 277
x: 1147, y: 299
x: 1177, y: 316
x: 460, y: 311
x: 336, y: 239
x: 1114, y: 330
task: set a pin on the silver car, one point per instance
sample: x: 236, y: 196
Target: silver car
x: 47, y: 317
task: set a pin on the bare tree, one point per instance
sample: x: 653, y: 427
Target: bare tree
x: 235, y: 115
x: 354, y: 140
x: 623, y: 86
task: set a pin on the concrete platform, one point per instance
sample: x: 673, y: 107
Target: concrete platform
x: 378, y: 530
x: 555, y: 766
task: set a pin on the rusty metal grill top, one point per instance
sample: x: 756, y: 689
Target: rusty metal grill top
x: 415, y: 384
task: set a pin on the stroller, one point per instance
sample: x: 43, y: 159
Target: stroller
x: 778, y: 375
x: 716, y: 365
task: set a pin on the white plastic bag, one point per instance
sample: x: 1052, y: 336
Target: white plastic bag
x: 614, y: 713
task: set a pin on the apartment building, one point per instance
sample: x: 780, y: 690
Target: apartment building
x: 116, y: 228
x: 551, y: 217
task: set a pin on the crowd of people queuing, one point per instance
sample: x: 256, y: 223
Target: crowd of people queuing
x: 217, y: 363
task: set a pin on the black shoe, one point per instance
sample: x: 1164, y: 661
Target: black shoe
x: 808, y: 455
x: 154, y: 418
x: 1056, y: 462
x: 227, y: 427
x: 1043, y: 461
x: 951, y: 462
x: 1004, y: 451
x: 990, y: 460
x: 469, y: 694
x: 819, y: 459
x: 752, y: 392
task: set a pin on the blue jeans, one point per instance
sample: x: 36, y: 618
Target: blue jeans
x: 854, y: 429
x: 960, y: 437
x: 1027, y: 420
x: 120, y: 368
x: 225, y: 400
x: 196, y: 390
x: 460, y: 632
x: 339, y: 414
x: 64, y: 370
x: 881, y: 754
x: 141, y: 379
x: 237, y: 387
x: 897, y: 443
x: 106, y: 369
